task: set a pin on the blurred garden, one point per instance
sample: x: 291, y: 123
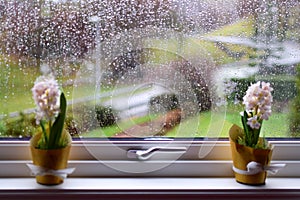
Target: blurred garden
x: 227, y: 53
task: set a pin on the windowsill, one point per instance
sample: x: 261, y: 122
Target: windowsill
x: 128, y: 188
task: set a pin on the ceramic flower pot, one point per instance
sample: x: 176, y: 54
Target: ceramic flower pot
x: 49, y: 161
x: 243, y: 155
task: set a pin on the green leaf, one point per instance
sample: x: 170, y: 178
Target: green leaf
x: 256, y: 133
x: 44, y: 140
x: 246, y: 127
x: 58, y: 125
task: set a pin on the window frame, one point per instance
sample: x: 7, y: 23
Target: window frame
x: 14, y: 155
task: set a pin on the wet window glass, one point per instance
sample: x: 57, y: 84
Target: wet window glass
x: 150, y: 68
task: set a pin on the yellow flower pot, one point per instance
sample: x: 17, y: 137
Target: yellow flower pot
x: 54, y: 159
x: 242, y: 155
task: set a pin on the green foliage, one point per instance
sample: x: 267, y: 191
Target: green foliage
x: 262, y: 143
x: 294, y: 118
x: 52, y: 135
x: 57, y: 128
x: 87, y: 118
x: 284, y: 87
x: 84, y: 118
x: 252, y: 64
x: 294, y: 115
x: 2, y: 128
x: 22, y: 126
x: 71, y: 125
x: 105, y: 116
x: 251, y: 135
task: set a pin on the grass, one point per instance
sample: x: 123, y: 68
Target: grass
x: 218, y: 126
x: 16, y: 82
x: 204, y: 125
x: 195, y: 46
x: 276, y: 126
x: 242, y: 28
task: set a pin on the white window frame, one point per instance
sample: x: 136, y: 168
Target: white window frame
x: 14, y: 155
x: 217, y: 163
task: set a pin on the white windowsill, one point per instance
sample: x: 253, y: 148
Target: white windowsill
x: 126, y: 188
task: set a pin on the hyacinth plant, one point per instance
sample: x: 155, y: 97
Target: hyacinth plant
x: 51, y: 111
x: 258, y: 102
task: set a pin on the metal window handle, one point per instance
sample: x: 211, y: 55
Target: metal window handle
x: 145, y: 154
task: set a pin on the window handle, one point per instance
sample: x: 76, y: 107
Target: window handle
x: 145, y: 154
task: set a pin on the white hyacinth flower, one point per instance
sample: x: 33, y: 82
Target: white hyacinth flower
x: 253, y: 122
x: 258, y: 102
x: 46, y: 96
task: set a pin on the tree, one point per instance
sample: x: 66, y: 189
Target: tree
x: 44, y: 30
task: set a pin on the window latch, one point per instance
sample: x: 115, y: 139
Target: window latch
x: 145, y: 154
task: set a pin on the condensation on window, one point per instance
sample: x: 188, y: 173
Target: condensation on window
x: 150, y: 68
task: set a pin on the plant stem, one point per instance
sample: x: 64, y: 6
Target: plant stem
x: 49, y: 144
x: 44, y: 132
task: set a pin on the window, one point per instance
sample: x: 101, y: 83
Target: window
x: 165, y: 76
